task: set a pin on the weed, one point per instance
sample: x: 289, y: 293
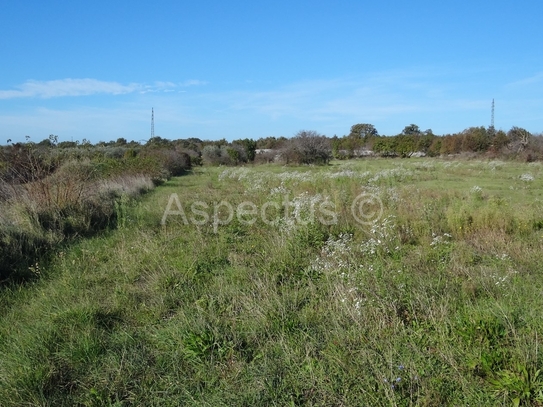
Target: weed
x: 520, y: 385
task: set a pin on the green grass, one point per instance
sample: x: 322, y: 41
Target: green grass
x: 437, y: 302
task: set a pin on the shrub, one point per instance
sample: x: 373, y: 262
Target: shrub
x: 211, y: 155
x: 76, y: 200
x: 223, y: 155
x: 149, y: 166
x: 308, y: 147
x: 174, y: 162
x: 25, y: 162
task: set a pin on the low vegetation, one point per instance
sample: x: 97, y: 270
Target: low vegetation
x: 294, y: 299
x: 49, y: 195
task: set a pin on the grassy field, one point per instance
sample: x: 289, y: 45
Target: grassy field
x: 363, y: 283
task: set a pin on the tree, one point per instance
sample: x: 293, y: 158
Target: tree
x: 435, y: 148
x: 499, y: 140
x: 406, y: 145
x: 385, y: 146
x: 236, y: 152
x: 451, y: 144
x: 249, y: 147
x: 426, y: 141
x: 233, y: 154
x: 46, y: 143
x: 476, y: 139
x: 518, y: 138
x: 335, y: 142
x: 270, y: 142
x: 211, y: 155
x: 158, y: 142
x: 174, y: 162
x: 363, y: 132
x: 309, y: 147
x: 412, y: 130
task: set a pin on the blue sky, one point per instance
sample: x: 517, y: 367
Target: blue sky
x: 215, y: 69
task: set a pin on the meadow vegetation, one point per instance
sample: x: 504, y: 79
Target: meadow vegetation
x: 435, y: 301
x: 50, y: 195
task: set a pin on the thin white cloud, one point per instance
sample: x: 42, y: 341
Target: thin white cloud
x: 193, y: 82
x: 164, y: 85
x: 67, y: 87
x: 85, y: 87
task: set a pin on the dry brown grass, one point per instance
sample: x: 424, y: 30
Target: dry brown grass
x: 71, y: 202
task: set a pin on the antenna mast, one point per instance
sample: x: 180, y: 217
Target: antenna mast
x: 153, y: 122
x: 492, y: 117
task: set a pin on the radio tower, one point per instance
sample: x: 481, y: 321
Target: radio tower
x: 492, y: 117
x: 152, y: 123
x: 491, y: 129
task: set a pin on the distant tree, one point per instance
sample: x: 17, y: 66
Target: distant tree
x: 360, y: 136
x: 518, y: 138
x: 249, y: 146
x: 435, y: 148
x: 174, y: 162
x: 211, y: 155
x: 363, y: 132
x: 46, y: 143
x: 336, y: 144
x: 191, y: 145
x: 405, y: 145
x: 68, y: 144
x: 234, y: 155
x: 133, y: 144
x: 412, y: 129
x: 219, y: 143
x: 425, y: 141
x: 451, y: 144
x: 158, y: 142
x: 491, y: 131
x: 385, y: 146
x: 222, y: 155
x: 236, y: 152
x: 309, y: 147
x: 535, y: 149
x: 499, y: 140
x: 410, y: 139
x: 475, y: 139
x: 270, y: 142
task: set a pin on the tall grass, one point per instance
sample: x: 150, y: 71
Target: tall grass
x: 435, y: 303
x: 75, y: 200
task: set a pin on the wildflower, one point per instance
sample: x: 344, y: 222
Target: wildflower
x: 527, y: 177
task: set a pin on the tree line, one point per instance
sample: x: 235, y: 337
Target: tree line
x: 305, y: 147
x: 412, y: 140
